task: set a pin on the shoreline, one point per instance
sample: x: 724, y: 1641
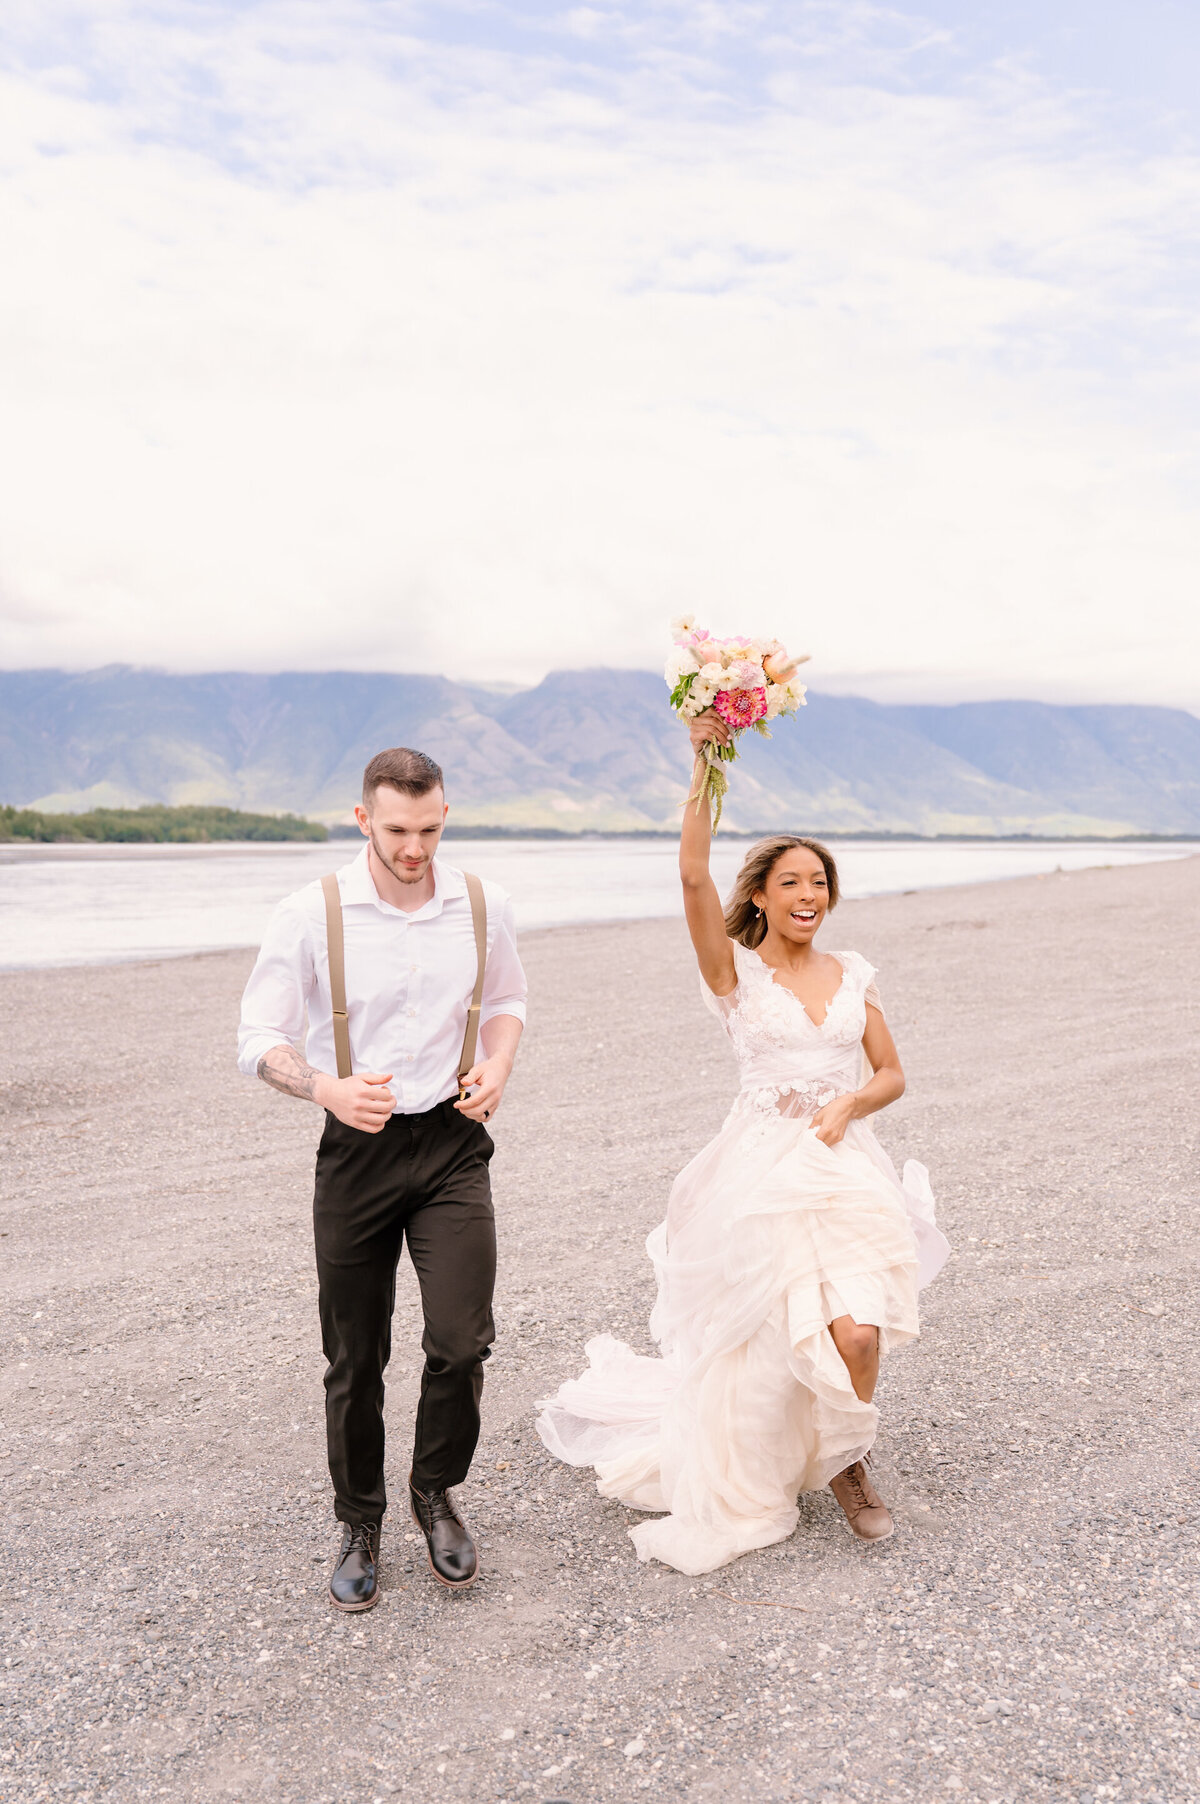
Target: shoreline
x: 153, y: 957
x: 19, y: 851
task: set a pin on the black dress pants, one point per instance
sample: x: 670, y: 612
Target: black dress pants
x: 424, y: 1177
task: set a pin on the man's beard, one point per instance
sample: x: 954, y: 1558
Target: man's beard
x: 400, y: 874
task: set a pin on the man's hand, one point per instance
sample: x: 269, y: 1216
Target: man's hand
x: 362, y: 1101
x: 486, y: 1082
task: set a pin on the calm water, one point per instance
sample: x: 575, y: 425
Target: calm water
x: 65, y: 905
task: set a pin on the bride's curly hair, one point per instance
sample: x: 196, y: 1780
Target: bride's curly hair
x: 742, y: 919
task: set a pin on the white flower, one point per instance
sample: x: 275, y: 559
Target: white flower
x: 713, y: 673
x: 680, y: 661
x: 784, y: 698
x: 682, y: 623
x: 698, y: 698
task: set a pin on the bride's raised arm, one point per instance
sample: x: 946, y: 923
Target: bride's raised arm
x: 701, y: 903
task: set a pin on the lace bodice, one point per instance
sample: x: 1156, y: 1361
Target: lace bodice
x: 788, y: 1064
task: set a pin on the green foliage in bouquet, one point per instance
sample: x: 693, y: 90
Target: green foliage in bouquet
x: 682, y: 690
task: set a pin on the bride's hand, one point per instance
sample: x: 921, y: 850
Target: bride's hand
x: 832, y: 1121
x: 708, y: 725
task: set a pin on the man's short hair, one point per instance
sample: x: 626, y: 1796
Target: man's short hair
x: 412, y: 773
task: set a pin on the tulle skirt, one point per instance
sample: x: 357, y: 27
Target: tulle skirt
x: 769, y: 1235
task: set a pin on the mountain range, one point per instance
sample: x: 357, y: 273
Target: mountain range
x: 590, y: 750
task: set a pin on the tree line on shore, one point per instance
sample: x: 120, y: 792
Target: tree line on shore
x: 155, y: 824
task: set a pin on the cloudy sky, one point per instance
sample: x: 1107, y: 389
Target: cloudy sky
x: 484, y: 337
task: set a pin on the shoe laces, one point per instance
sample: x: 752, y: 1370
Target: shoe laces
x: 366, y: 1534
x: 441, y: 1509
x: 854, y: 1478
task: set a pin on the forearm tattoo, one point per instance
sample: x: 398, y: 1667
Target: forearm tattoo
x: 285, y: 1070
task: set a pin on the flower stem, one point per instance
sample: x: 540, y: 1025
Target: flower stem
x: 715, y: 784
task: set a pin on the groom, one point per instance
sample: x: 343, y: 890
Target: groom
x: 396, y: 961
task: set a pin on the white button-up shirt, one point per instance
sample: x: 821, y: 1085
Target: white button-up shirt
x: 409, y: 981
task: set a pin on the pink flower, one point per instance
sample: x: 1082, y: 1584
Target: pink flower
x: 741, y: 707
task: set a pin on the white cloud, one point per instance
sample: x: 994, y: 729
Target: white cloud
x: 328, y: 343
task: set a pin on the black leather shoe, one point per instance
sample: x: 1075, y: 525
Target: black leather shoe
x: 355, y: 1581
x: 452, y: 1556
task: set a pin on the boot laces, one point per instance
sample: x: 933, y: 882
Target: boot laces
x: 854, y: 1477
x: 441, y: 1509
x: 434, y: 1507
x: 364, y: 1535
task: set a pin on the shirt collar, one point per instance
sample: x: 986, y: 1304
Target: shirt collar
x: 357, y: 886
x: 447, y: 883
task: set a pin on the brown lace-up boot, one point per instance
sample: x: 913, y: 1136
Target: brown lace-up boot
x: 865, y: 1509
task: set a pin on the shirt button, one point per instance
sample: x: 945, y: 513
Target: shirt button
x: 408, y: 1057
x: 412, y: 1011
x: 414, y: 967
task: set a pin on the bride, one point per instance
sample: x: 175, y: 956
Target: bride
x: 790, y: 1259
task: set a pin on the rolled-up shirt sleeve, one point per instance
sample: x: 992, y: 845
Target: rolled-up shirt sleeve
x: 504, y: 986
x: 275, y: 998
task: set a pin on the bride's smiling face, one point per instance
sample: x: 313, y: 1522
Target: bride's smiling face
x: 795, y: 897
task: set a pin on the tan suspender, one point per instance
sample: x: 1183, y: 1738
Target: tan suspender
x: 479, y: 921
x: 337, y: 974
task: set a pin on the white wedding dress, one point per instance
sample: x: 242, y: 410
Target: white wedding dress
x: 769, y: 1235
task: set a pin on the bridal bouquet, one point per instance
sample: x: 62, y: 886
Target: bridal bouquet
x: 747, y: 681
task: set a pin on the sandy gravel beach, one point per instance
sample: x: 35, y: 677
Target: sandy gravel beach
x: 1027, y: 1634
